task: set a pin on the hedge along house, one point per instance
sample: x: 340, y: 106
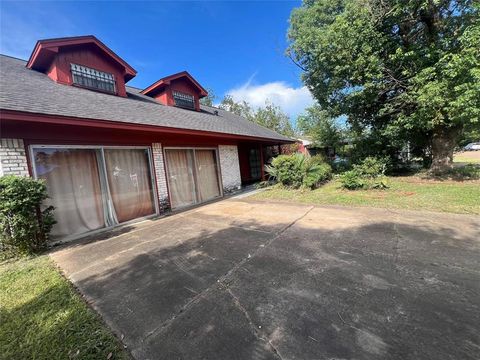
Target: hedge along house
x: 110, y: 153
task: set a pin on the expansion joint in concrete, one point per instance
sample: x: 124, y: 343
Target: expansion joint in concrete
x: 223, y: 279
x: 255, y: 330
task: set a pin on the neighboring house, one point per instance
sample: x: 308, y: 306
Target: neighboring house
x: 307, y: 147
x: 111, y: 153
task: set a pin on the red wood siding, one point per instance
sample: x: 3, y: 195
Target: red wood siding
x: 165, y: 95
x: 89, y: 56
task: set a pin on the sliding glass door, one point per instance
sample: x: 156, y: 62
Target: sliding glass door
x: 181, y: 180
x: 130, y: 183
x: 74, y: 186
x: 207, y: 174
x: 94, y: 187
x: 192, y: 176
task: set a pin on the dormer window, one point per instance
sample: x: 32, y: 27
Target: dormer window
x: 92, y: 78
x: 179, y: 89
x: 184, y: 100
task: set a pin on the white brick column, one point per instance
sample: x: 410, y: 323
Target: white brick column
x: 230, y: 168
x: 159, y: 167
x: 13, y: 160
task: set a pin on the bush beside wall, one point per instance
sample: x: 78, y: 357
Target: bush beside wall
x: 24, y: 226
x: 298, y: 171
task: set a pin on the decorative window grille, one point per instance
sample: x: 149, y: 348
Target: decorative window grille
x: 183, y: 100
x: 93, y: 79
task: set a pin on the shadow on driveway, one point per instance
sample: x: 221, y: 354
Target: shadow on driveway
x: 246, y: 280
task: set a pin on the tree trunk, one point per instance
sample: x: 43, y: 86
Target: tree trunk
x: 443, y: 144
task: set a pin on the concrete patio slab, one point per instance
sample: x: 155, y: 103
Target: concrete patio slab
x: 240, y: 279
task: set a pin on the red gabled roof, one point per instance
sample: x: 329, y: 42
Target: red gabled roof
x: 166, y: 81
x: 45, y: 50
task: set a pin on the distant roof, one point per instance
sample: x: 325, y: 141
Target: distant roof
x: 26, y: 90
x: 45, y: 50
x: 166, y: 81
x: 305, y: 141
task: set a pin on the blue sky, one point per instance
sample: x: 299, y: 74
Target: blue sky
x: 231, y: 47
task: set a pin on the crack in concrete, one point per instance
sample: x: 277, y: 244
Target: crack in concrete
x: 255, y: 330
x: 222, y: 280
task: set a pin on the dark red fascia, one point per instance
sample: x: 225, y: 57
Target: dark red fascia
x: 45, y: 51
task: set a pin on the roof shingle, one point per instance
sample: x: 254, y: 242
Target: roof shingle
x: 26, y: 90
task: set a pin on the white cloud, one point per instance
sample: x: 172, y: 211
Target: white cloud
x: 292, y: 100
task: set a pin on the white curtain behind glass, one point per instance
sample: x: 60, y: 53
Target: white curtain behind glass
x: 129, y: 182
x: 180, y: 177
x: 208, y: 187
x: 73, y: 184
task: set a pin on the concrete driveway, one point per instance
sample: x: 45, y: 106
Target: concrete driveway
x: 241, y: 279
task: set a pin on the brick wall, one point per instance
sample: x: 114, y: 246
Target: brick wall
x: 13, y: 160
x: 230, y: 167
x: 159, y: 166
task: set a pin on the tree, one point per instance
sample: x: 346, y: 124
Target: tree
x: 209, y: 99
x: 269, y: 116
x: 403, y: 70
x: 470, y: 134
x: 238, y: 108
x: 322, y: 128
x: 272, y: 117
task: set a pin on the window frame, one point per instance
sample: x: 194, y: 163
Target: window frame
x: 219, y: 174
x: 113, y: 80
x: 257, y: 163
x: 103, y: 176
x: 183, y: 94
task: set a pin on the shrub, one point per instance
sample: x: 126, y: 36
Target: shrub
x: 315, y: 174
x: 287, y: 169
x: 24, y: 227
x: 380, y: 182
x: 298, y: 171
x: 465, y: 172
x: 369, y: 174
x: 351, y: 180
x: 371, y: 167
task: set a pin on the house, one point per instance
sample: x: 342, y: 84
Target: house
x: 307, y: 147
x: 111, y: 153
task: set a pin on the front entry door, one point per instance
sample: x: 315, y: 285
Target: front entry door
x: 192, y: 176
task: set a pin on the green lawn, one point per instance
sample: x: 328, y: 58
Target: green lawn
x: 472, y: 157
x: 404, y: 193
x: 43, y: 317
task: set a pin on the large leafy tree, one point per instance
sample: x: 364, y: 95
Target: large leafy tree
x: 401, y: 70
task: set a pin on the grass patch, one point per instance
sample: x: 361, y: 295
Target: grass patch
x: 404, y: 193
x: 43, y: 317
x: 470, y: 157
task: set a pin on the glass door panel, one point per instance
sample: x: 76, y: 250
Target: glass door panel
x: 207, y: 175
x: 255, y: 164
x: 181, y: 178
x: 74, y: 186
x: 130, y: 183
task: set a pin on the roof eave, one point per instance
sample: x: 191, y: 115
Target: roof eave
x: 43, y: 48
x: 15, y: 115
x: 167, y: 80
